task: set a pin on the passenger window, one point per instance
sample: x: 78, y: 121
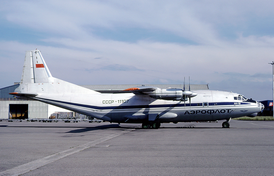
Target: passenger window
x: 205, y: 104
x: 235, y: 98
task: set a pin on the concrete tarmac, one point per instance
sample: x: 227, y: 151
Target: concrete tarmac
x: 36, y: 148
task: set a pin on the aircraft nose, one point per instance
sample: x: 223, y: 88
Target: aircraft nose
x: 262, y: 106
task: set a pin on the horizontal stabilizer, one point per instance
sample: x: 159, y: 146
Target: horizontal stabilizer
x: 23, y: 94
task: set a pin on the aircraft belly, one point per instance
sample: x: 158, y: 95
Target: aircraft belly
x: 179, y: 114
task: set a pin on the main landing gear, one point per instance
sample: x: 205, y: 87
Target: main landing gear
x: 226, y: 123
x: 153, y: 125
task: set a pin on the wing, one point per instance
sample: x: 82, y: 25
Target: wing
x: 141, y: 90
x: 166, y: 94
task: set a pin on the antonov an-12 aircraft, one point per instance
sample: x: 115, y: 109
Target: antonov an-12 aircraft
x: 150, y: 106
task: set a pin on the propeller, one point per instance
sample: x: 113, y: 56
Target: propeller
x: 184, y: 97
x: 189, y: 90
x: 187, y: 93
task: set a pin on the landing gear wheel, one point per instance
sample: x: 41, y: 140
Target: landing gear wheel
x: 145, y: 125
x: 156, y: 125
x: 225, y: 125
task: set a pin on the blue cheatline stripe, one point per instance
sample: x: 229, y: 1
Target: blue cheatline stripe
x: 136, y: 106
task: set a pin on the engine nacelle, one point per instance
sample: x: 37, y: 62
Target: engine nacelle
x: 165, y: 94
x: 171, y: 94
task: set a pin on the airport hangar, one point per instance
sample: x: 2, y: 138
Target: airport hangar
x: 14, y: 108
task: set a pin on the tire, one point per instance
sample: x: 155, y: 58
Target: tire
x: 225, y: 125
x: 145, y: 126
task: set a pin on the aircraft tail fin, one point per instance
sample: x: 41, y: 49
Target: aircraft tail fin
x: 35, y: 69
x: 37, y: 79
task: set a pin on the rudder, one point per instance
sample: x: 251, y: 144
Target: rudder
x: 35, y: 69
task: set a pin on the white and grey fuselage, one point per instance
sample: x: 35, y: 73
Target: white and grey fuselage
x: 135, y: 105
x: 207, y: 105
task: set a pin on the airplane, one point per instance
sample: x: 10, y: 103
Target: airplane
x: 149, y: 106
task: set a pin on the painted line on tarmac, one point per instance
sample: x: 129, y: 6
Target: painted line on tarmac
x: 22, y: 169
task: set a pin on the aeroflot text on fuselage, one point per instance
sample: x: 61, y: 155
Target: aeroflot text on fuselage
x: 212, y: 111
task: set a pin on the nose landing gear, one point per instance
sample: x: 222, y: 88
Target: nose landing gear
x: 226, y: 123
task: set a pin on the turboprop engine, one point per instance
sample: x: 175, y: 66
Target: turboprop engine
x: 165, y: 94
x: 171, y: 94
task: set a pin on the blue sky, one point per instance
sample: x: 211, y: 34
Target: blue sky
x: 226, y: 44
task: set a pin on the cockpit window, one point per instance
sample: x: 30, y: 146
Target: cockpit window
x: 245, y: 99
x: 241, y: 98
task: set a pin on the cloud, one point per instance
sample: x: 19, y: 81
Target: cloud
x: 257, y: 77
x: 77, y: 20
x: 117, y: 67
x: 256, y: 41
x: 153, y: 41
x: 258, y: 85
x: 98, y: 58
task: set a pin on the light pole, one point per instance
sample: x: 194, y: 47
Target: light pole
x: 272, y: 63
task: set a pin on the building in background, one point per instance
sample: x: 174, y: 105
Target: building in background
x: 268, y: 108
x: 14, y: 108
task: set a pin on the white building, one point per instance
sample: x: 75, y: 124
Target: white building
x: 14, y: 108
